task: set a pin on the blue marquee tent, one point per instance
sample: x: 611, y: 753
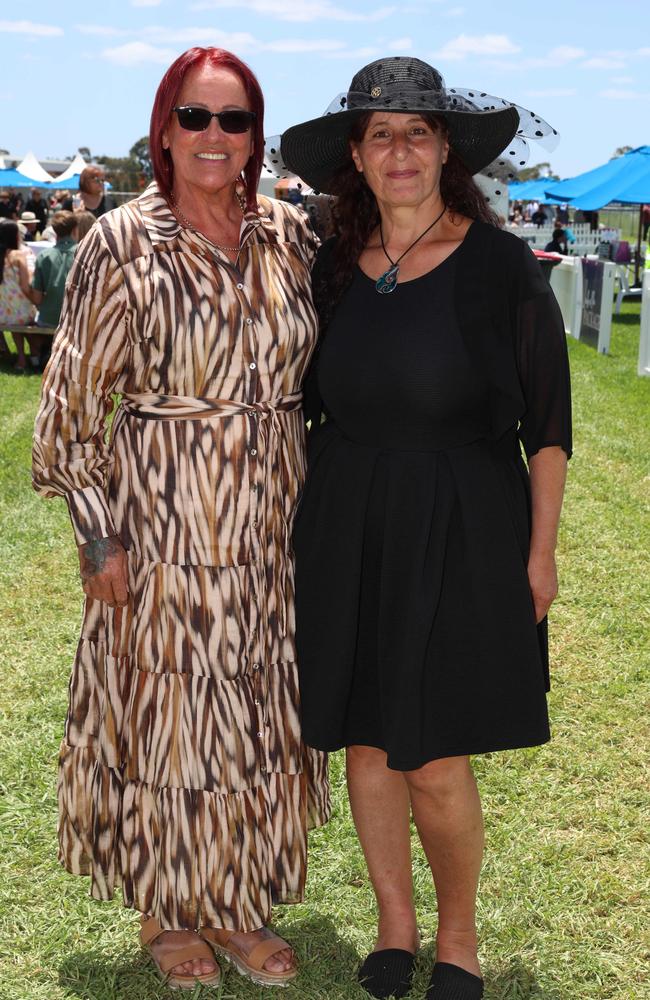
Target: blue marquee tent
x: 625, y: 179
x: 534, y: 190
x: 12, y: 179
x: 70, y: 184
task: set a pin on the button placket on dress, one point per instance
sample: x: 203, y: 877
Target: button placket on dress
x: 257, y: 522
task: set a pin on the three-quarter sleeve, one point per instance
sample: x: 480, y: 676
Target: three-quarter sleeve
x: 70, y: 454
x: 542, y: 362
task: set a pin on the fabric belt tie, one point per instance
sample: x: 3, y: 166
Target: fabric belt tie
x: 154, y: 406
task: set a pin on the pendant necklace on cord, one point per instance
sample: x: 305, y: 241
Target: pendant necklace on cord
x: 388, y: 280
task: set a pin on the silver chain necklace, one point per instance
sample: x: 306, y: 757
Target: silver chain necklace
x: 186, y: 222
x: 387, y: 282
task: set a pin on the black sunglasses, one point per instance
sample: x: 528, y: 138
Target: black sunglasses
x: 198, y: 119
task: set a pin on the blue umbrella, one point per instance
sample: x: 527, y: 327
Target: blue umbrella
x: 625, y: 179
x: 534, y: 190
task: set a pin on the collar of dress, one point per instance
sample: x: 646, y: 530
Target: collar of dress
x: 162, y: 225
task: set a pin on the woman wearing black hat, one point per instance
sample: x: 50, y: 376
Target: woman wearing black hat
x: 424, y: 542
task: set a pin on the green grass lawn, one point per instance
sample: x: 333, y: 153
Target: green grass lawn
x: 564, y: 895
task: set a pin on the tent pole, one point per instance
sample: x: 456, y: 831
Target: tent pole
x: 637, y: 265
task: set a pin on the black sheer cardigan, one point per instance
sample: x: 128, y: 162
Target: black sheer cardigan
x: 513, y: 330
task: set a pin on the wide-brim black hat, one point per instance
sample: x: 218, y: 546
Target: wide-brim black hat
x: 481, y: 128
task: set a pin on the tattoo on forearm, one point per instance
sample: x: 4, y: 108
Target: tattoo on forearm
x: 93, y: 555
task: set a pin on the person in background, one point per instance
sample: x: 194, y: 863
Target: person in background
x: 29, y: 223
x: 569, y: 235
x: 85, y: 222
x: 5, y: 205
x: 539, y: 217
x: 645, y: 219
x: 93, y: 197
x: 15, y: 304
x: 558, y: 242
x: 17, y: 203
x: 50, y: 274
x: 38, y: 206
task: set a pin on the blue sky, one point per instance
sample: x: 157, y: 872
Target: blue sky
x: 76, y: 74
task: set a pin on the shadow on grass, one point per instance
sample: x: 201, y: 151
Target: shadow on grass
x: 628, y: 319
x: 327, y: 972
x: 518, y: 983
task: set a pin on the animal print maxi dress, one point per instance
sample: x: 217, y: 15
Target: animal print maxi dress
x: 182, y: 772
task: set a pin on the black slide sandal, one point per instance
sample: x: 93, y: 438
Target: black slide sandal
x: 450, y: 982
x: 387, y: 973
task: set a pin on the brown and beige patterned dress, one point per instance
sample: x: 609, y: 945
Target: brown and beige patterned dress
x: 182, y: 772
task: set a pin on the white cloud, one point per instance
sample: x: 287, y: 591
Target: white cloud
x: 561, y: 55
x: 643, y: 52
x: 236, y: 41
x: 30, y: 28
x: 157, y: 48
x: 552, y: 92
x: 102, y: 30
x: 565, y: 53
x: 622, y: 79
x: 146, y: 3
x: 295, y: 10
x: 401, y: 45
x: 603, y: 62
x: 624, y: 95
x: 477, y: 45
x: 454, y: 12
x: 136, y: 53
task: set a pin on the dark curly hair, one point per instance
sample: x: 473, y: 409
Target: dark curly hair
x: 355, y: 214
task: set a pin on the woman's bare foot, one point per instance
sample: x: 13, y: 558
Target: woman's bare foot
x: 171, y: 941
x: 283, y: 960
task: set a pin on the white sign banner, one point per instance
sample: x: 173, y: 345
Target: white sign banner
x: 644, y: 343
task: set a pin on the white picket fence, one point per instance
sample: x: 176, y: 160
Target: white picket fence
x: 586, y: 241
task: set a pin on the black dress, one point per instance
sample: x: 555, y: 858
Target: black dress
x: 415, y: 623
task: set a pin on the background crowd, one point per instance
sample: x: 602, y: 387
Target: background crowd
x: 38, y: 239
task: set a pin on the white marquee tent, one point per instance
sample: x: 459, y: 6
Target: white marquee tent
x: 31, y: 168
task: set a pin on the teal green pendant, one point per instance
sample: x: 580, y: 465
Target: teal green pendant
x: 388, y: 281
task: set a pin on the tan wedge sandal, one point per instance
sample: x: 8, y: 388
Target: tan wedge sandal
x: 251, y: 964
x: 150, y: 931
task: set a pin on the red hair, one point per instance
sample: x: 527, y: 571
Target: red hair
x: 166, y: 97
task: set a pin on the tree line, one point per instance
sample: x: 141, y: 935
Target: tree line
x: 126, y: 173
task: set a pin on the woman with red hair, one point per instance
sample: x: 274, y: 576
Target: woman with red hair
x: 183, y: 776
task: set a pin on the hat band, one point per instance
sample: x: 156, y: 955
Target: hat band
x: 403, y: 98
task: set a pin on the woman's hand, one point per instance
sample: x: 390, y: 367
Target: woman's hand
x: 103, y: 569
x: 547, y: 476
x: 542, y: 577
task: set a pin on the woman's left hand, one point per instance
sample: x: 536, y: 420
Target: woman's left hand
x: 542, y: 577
